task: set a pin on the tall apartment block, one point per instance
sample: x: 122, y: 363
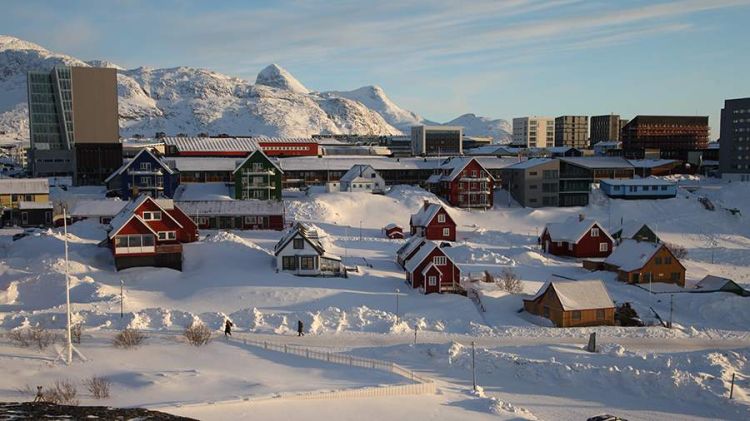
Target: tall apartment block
x: 606, y: 128
x: 534, y: 132
x: 73, y: 123
x: 572, y: 131
x: 437, y: 140
x: 734, y: 141
x: 673, y: 136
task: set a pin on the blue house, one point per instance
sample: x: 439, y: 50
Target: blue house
x: 144, y: 174
x: 638, y: 188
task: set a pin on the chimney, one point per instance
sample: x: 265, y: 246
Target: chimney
x: 426, y: 204
x: 581, y: 217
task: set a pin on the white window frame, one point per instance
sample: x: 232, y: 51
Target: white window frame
x: 251, y: 220
x: 603, y: 247
x: 432, y: 280
x: 446, y: 232
x: 145, y: 166
x: 441, y: 218
x: 152, y: 216
x: 167, y: 235
x: 594, y: 232
x: 440, y: 260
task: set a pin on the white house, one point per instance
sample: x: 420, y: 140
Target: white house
x: 301, y: 252
x: 362, y: 178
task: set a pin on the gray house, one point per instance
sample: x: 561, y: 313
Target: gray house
x: 533, y: 183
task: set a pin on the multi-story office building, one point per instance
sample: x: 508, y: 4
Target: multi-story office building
x: 73, y: 123
x: 533, y: 183
x: 734, y: 143
x: 534, y: 132
x: 572, y: 130
x: 606, y: 128
x: 673, y: 136
x: 437, y: 140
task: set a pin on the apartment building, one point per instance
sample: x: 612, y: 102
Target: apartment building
x: 437, y: 140
x: 533, y: 183
x: 572, y: 131
x: 606, y: 128
x: 734, y: 144
x: 534, y: 132
x: 673, y: 136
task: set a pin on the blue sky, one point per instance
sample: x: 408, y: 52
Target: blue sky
x: 438, y: 58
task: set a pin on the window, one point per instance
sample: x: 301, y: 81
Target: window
x: 307, y: 262
x: 152, y: 216
x: 546, y: 311
x: 446, y: 232
x: 594, y: 232
x: 147, y: 240
x: 668, y: 260
x: 576, y: 315
x: 432, y: 280
x: 603, y: 247
x: 675, y: 277
x: 657, y: 260
x: 441, y: 218
x: 570, y: 246
x: 134, y: 241
x: 600, y: 314
x: 167, y: 235
x: 251, y: 220
x: 440, y: 260
x: 289, y: 263
x: 202, y: 220
x: 299, y: 243
x: 559, y: 244
x: 145, y: 166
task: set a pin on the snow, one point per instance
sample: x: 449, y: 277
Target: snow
x: 34, y: 205
x: 632, y: 255
x: 425, y: 214
x: 572, y: 230
x: 529, y: 163
x: 215, y: 191
x: 222, y: 207
x: 579, y: 294
x: 97, y: 208
x: 277, y: 77
x: 598, y: 162
x: 206, y: 144
x: 24, y: 186
x: 650, y: 181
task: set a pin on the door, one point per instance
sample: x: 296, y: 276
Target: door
x: 24, y: 218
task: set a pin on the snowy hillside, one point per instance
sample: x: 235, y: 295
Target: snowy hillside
x: 499, y: 130
x: 191, y: 101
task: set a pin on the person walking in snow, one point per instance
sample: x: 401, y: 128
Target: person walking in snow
x: 228, y: 328
x: 300, y: 328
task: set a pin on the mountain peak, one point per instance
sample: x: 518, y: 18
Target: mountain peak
x: 8, y: 42
x: 276, y: 76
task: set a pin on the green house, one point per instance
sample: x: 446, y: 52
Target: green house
x: 257, y: 177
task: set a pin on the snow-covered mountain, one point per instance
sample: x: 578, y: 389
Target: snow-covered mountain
x: 499, y: 130
x: 191, y: 101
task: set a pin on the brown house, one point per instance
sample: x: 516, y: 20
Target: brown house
x: 643, y: 262
x: 573, y: 303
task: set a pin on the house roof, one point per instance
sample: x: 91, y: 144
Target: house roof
x: 24, y: 205
x: 714, y: 283
x: 632, y: 255
x: 530, y: 163
x: 267, y: 139
x: 422, y: 254
x: 651, y: 163
x: 307, y: 232
x: 410, y: 245
x: 127, y: 163
x: 24, y: 186
x: 391, y: 226
x: 423, y: 216
x: 493, y: 150
x: 427, y: 268
x: 594, y: 162
x: 650, y: 181
x: 203, y: 191
x: 630, y: 228
x: 96, y: 207
x: 573, y: 229
x: 578, y: 295
x: 183, y: 164
x: 263, y: 154
x: 128, y: 212
x: 355, y: 172
x: 212, y: 144
x: 250, y: 207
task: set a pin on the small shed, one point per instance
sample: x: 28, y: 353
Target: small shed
x: 712, y: 283
x: 635, y: 230
x: 393, y: 231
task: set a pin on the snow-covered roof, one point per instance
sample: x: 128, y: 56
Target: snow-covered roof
x: 128, y: 212
x: 203, y: 191
x: 712, y: 282
x: 248, y: 207
x: 204, y: 164
x: 212, y: 144
x: 425, y: 215
x: 492, y: 150
x: 422, y: 254
x: 355, y: 172
x: 127, y: 163
x: 263, y: 154
x: 24, y: 205
x: 597, y: 162
x: 410, y: 245
x: 632, y: 255
x: 650, y: 181
x: 573, y: 229
x: 391, y: 226
x: 578, y: 295
x: 559, y: 149
x: 651, y: 163
x: 529, y: 163
x: 630, y: 228
x: 430, y: 266
x: 24, y: 186
x: 267, y: 139
x: 97, y: 208
x: 608, y: 144
x: 305, y: 231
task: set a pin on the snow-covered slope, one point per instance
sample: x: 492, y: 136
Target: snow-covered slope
x: 499, y: 130
x: 375, y: 99
x: 188, y: 100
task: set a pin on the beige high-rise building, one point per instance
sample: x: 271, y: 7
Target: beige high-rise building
x: 572, y: 131
x: 73, y: 123
x: 534, y: 132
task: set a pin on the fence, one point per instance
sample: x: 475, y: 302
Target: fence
x: 420, y: 385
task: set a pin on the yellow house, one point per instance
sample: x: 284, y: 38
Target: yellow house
x: 16, y: 190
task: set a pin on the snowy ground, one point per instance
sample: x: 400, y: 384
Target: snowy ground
x: 523, y: 364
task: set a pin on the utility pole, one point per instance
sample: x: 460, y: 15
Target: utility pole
x: 473, y: 367
x: 122, y: 300
x: 360, y: 230
x: 731, y: 391
x: 67, y: 287
x: 416, y: 327
x: 671, y: 309
x: 397, y: 292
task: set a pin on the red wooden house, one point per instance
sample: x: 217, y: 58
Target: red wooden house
x: 150, y: 232
x: 431, y: 270
x: 433, y: 222
x: 576, y: 237
x: 393, y: 231
x: 463, y: 182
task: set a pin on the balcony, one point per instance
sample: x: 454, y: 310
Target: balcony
x: 145, y: 172
x: 259, y: 186
x: 260, y: 171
